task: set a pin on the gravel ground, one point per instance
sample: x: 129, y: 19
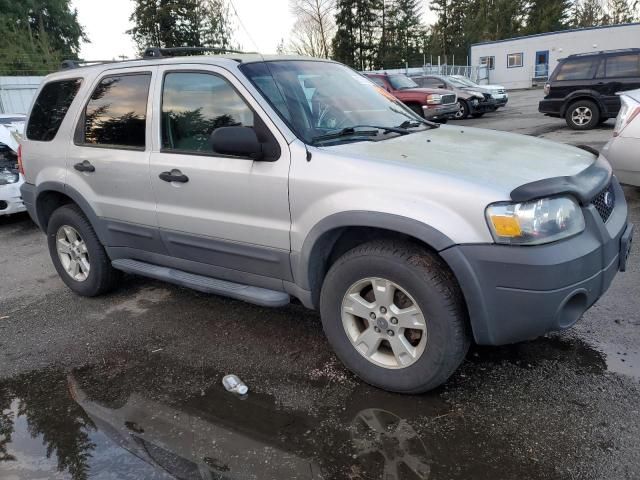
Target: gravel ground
x: 128, y: 385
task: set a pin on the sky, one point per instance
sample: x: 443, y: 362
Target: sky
x: 267, y: 21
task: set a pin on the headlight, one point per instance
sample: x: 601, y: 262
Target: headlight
x: 534, y: 223
x: 434, y: 99
x: 477, y: 95
x: 7, y: 177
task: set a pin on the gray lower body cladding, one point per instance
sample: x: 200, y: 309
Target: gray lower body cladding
x: 516, y: 293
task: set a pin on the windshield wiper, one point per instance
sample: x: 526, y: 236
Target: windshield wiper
x: 348, y: 131
x: 414, y: 120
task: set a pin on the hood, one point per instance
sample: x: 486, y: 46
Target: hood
x: 10, y: 135
x: 496, y: 160
x: 426, y: 91
x: 493, y: 87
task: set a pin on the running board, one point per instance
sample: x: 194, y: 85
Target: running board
x: 247, y: 293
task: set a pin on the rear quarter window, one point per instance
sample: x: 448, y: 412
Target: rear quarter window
x: 577, y: 69
x: 50, y: 108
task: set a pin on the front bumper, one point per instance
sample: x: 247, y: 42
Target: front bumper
x: 515, y: 293
x: 11, y: 199
x: 436, y: 112
x: 482, y: 106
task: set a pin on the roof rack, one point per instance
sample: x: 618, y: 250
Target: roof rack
x: 69, y: 64
x: 158, y: 52
x: 618, y: 50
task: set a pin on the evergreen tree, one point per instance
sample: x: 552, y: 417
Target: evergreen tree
x: 344, y: 41
x: 177, y: 23
x: 358, y: 32
x: 587, y: 13
x: 40, y: 34
x: 547, y: 16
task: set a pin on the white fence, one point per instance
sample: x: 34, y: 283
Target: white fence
x: 16, y: 93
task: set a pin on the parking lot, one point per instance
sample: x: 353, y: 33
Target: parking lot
x: 129, y: 385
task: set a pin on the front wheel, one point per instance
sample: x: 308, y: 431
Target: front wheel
x: 77, y: 254
x: 463, y: 110
x: 394, y: 315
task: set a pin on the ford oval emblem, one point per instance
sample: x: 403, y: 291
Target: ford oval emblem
x: 608, y: 199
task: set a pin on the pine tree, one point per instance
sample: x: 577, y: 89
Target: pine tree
x: 547, y: 16
x: 344, y: 41
x: 177, y: 23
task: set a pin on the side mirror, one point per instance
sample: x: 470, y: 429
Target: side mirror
x: 237, y: 141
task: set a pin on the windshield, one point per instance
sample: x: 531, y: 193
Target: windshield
x: 402, y: 82
x: 316, y: 98
x: 465, y: 81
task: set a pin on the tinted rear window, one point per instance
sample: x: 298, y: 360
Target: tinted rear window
x: 117, y: 111
x: 50, y: 108
x: 623, y: 66
x: 577, y: 69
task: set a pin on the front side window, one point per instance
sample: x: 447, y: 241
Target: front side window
x: 316, y: 98
x: 577, y: 69
x: 623, y: 66
x: 116, y: 113
x: 194, y: 105
x: 50, y: 108
x: 514, y: 60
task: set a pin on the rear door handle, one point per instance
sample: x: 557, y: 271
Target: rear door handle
x: 174, y: 176
x: 84, y: 167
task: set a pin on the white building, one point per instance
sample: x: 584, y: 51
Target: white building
x: 523, y: 62
x: 16, y: 93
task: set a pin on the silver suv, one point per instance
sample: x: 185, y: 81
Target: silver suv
x: 266, y: 178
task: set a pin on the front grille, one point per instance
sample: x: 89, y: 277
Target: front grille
x: 501, y: 91
x: 605, y: 202
x: 448, y: 99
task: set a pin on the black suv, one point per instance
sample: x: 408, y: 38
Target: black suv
x: 583, y: 87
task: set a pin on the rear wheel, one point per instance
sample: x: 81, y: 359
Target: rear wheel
x: 77, y: 254
x: 394, y: 315
x: 582, y: 115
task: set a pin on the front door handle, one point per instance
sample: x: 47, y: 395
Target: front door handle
x: 174, y: 176
x: 84, y: 167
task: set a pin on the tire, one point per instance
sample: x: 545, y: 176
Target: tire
x: 477, y: 115
x: 582, y: 115
x: 417, y: 109
x: 430, y: 286
x: 101, y: 277
x: 463, y: 112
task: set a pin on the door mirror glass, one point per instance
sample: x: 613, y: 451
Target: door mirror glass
x: 236, y: 141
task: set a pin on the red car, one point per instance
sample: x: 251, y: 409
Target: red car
x: 430, y: 103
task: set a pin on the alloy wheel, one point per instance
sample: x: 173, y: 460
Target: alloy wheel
x: 73, y: 253
x: 581, y: 116
x: 384, y: 323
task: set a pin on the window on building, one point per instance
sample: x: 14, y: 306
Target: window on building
x: 194, y: 105
x: 577, y: 69
x: 623, y: 66
x: 50, y: 109
x: 489, y: 62
x: 116, y: 113
x: 514, y: 60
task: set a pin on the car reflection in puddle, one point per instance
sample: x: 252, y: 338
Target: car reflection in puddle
x: 149, y: 417
x: 97, y: 427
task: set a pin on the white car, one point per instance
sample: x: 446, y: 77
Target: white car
x: 497, y: 91
x: 622, y: 149
x: 11, y: 128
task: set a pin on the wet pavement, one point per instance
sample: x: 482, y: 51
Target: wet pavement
x: 128, y: 386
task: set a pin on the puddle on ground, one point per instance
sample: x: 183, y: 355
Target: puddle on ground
x: 150, y: 418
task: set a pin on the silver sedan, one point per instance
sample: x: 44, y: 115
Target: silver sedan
x: 623, y: 150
